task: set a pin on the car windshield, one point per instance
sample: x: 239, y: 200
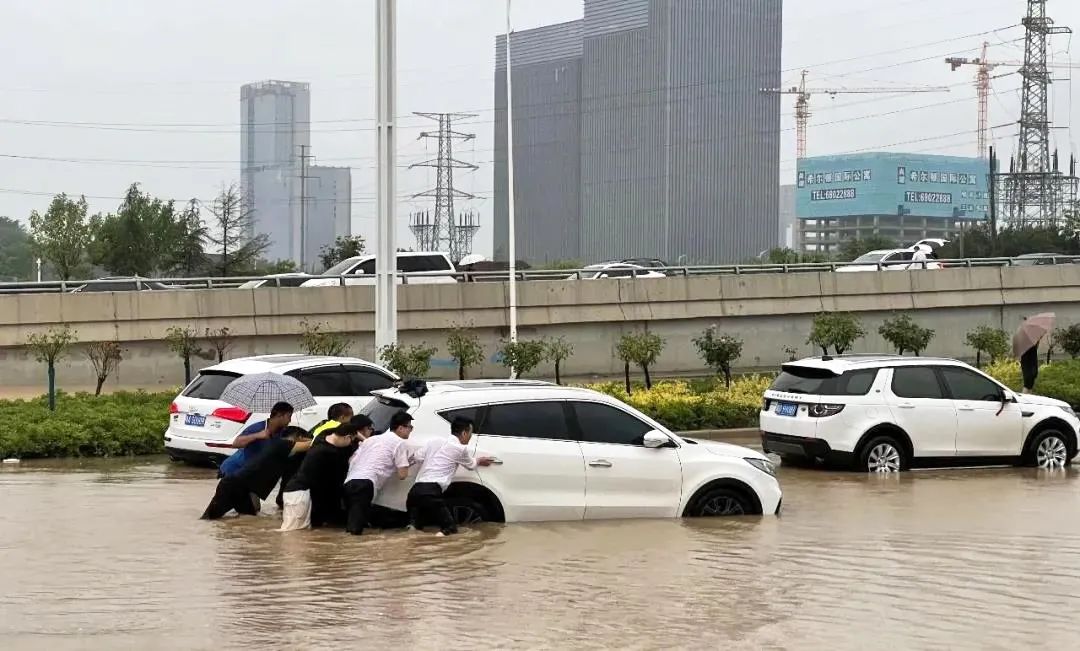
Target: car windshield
x: 340, y: 267
x: 870, y: 257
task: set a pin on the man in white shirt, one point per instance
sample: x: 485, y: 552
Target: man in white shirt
x: 377, y: 459
x: 441, y: 459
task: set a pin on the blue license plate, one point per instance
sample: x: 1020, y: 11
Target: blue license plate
x: 786, y: 409
x: 195, y: 420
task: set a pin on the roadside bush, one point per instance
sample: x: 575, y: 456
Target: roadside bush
x: 992, y: 341
x: 1069, y: 340
x: 521, y: 356
x: 719, y: 351
x: 83, y: 425
x: 676, y: 405
x: 905, y: 335
x: 836, y: 330
x: 315, y: 341
x: 463, y: 346
x: 1059, y: 380
x: 642, y: 349
x: 556, y: 351
x: 408, y: 361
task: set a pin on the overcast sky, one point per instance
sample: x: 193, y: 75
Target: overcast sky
x: 154, y: 86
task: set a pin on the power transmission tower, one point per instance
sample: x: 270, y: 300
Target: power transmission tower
x: 448, y: 230
x: 304, y: 157
x: 1034, y: 192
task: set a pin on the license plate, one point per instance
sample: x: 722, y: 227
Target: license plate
x: 195, y: 420
x: 786, y: 409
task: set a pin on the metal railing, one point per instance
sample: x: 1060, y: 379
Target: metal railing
x: 427, y: 277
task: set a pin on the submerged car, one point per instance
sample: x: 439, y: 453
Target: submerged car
x: 563, y: 453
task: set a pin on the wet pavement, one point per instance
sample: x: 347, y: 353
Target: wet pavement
x: 111, y: 555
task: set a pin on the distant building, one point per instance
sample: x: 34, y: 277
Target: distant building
x: 275, y: 129
x: 903, y: 197
x: 641, y: 131
x: 789, y: 232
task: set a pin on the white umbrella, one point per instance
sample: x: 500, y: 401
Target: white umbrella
x: 259, y: 393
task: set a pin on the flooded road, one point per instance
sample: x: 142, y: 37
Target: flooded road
x: 111, y: 555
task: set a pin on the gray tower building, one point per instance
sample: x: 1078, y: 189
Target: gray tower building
x: 641, y: 131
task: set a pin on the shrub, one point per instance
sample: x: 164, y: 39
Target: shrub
x: 719, y: 351
x: 48, y: 348
x: 1006, y: 371
x: 314, y: 341
x: 183, y: 342
x: 1069, y: 340
x: 464, y: 348
x: 838, y: 330
x: 556, y: 351
x: 84, y: 425
x: 642, y: 349
x: 521, y: 356
x: 992, y: 341
x: 905, y: 335
x: 221, y: 340
x: 408, y: 361
x: 678, y: 407
x: 105, y: 357
x: 1059, y: 380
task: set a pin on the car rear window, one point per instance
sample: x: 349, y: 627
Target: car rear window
x: 820, y: 382
x: 381, y: 410
x: 417, y: 263
x: 208, y: 385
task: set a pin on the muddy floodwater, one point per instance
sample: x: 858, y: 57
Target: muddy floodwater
x: 111, y: 555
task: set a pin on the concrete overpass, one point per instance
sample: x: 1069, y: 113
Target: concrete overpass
x: 768, y: 311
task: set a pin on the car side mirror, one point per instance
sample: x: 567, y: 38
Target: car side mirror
x: 656, y: 439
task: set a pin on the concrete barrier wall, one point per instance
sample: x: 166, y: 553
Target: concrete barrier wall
x: 768, y: 311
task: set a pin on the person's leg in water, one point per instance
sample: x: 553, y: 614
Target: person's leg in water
x: 358, y: 496
x: 447, y: 523
x: 413, y: 505
x: 230, y: 495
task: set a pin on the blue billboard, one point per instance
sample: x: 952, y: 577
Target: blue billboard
x: 919, y: 185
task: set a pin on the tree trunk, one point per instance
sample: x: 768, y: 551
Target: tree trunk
x: 52, y: 387
x: 824, y: 351
x: 460, y: 371
x: 100, y: 383
x: 187, y: 370
x: 220, y: 356
x: 626, y: 375
x: 727, y: 376
x: 978, y: 359
x: 648, y: 380
x: 558, y: 377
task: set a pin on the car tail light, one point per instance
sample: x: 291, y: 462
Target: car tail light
x: 173, y: 409
x: 768, y: 403
x: 824, y: 410
x: 234, y: 414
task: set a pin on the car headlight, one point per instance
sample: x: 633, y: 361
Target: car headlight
x: 1069, y: 410
x: 764, y: 465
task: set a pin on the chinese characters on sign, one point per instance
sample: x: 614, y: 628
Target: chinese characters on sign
x: 822, y: 178
x: 921, y: 176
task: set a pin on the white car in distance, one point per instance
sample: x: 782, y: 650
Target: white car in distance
x: 202, y: 427
x: 618, y: 270
x: 563, y: 453
x: 886, y: 413
x: 423, y: 267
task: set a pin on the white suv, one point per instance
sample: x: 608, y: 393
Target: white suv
x: 566, y: 453
x: 885, y: 413
x: 202, y: 427
x: 423, y: 267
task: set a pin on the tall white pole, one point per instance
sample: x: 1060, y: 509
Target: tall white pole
x: 510, y: 181
x: 385, y: 232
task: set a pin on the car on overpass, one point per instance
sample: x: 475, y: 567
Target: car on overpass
x: 291, y: 279
x: 423, y: 267
x: 564, y: 453
x: 887, y: 413
x: 202, y: 428
x: 617, y: 270
x: 124, y: 284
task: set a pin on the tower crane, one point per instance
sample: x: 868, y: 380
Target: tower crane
x: 982, y: 85
x: 802, y: 101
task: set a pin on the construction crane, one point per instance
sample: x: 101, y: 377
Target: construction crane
x: 982, y: 85
x: 802, y: 101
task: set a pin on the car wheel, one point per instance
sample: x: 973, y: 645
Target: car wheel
x: 721, y: 501
x: 1049, y: 450
x: 882, y: 454
x: 468, y: 510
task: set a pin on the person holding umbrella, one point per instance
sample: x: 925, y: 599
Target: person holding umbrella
x: 1026, y: 345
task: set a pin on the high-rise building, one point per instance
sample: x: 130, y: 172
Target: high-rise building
x: 641, y: 131
x: 276, y: 135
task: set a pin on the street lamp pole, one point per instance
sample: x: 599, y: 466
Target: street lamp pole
x: 385, y: 232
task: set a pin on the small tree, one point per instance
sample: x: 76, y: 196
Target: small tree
x: 408, y: 361
x: 792, y: 352
x: 556, y: 351
x: 343, y: 248
x: 837, y: 330
x: 105, y: 357
x: 464, y: 347
x: 232, y: 223
x: 49, y: 347
x: 314, y: 341
x: 184, y: 343
x: 521, y: 356
x: 221, y: 340
x: 1069, y: 340
x: 905, y: 335
x: 642, y: 349
x: 992, y: 341
x: 719, y: 351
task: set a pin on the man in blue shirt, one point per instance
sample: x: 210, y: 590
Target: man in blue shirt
x: 255, y: 437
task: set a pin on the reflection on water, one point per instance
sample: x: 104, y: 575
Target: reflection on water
x: 110, y: 554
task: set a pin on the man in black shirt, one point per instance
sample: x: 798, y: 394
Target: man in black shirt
x: 242, y: 491
x: 313, y: 497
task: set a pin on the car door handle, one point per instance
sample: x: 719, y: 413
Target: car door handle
x: 966, y: 408
x: 496, y: 462
x: 600, y: 463
x: 906, y: 405
x: 309, y: 411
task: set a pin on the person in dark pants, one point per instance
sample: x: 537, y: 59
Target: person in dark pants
x: 377, y: 459
x: 441, y: 459
x: 1029, y: 367
x: 251, y: 441
x: 243, y: 491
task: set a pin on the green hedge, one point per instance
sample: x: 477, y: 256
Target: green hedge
x: 686, y: 406
x: 1060, y: 380
x: 84, y: 425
